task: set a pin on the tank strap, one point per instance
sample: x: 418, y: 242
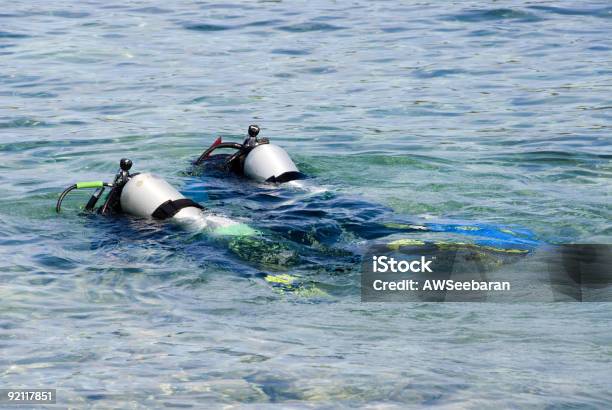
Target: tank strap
x: 171, y: 207
x: 286, y: 177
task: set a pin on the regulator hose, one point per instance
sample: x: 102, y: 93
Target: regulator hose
x: 206, y: 153
x: 79, y: 185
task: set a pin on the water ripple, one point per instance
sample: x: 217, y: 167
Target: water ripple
x: 207, y: 27
x: 604, y: 12
x: 6, y: 34
x: 309, y: 26
x: 474, y: 16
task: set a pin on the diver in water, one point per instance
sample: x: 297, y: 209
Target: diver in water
x: 339, y: 231
x: 149, y: 197
x: 320, y: 216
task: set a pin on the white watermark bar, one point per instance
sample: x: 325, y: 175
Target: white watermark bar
x: 414, y: 271
x: 27, y: 396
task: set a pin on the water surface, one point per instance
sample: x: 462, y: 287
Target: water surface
x: 495, y: 113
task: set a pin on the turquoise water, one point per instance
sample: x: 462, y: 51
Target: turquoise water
x: 493, y: 113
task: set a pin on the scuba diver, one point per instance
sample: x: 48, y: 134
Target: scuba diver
x: 149, y: 197
x: 321, y: 216
x: 343, y: 232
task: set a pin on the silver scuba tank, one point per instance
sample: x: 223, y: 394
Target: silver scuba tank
x: 145, y: 194
x: 148, y: 196
x: 256, y: 159
x: 268, y: 162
